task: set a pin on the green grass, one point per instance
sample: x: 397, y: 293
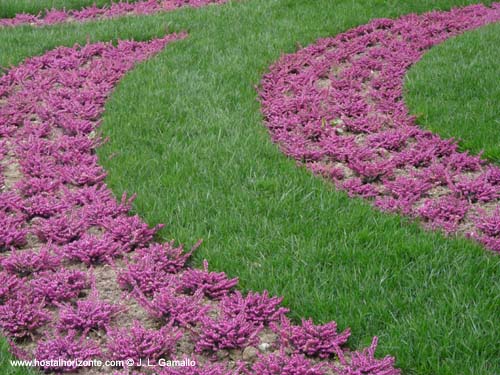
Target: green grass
x: 5, y: 357
x: 455, y: 89
x: 187, y: 135
x: 9, y: 8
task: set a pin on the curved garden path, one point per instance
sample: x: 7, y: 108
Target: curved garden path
x: 337, y: 107
x: 81, y: 278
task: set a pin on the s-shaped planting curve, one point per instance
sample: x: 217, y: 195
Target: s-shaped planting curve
x: 337, y: 107
x: 81, y: 279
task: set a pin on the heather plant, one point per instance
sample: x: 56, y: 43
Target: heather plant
x: 130, y: 231
x: 92, y: 249
x: 355, y: 187
x: 44, y: 205
x: 60, y: 286
x: 179, y: 310
x: 446, y: 212
x: 23, y: 315
x: 284, y: 364
x: 213, y: 284
x: 315, y: 340
x: 138, y: 342
x: 169, y: 258
x: 9, y: 286
x: 489, y: 224
x: 61, y: 229
x: 146, y: 276
x: 27, y: 262
x: 68, y: 348
x: 476, y: 189
x: 226, y: 332
x: 10, y: 202
x: 364, y: 362
x: 89, y: 314
x: 12, y: 233
x: 258, y: 308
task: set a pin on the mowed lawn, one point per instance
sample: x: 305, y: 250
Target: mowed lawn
x: 187, y: 136
x: 455, y: 90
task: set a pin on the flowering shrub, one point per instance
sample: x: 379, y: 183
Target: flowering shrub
x: 22, y: 316
x: 91, y: 249
x: 61, y: 229
x: 60, y: 286
x: 258, y: 308
x: 146, y: 276
x: 178, y: 310
x: 24, y: 263
x: 282, y: 364
x: 365, y: 363
x: 9, y: 285
x: 169, y: 258
x: 68, y: 349
x: 131, y: 231
x: 213, y: 284
x: 87, y: 315
x: 138, y: 342
x: 12, y: 233
x: 226, y: 333
x: 313, y: 340
x: 445, y: 213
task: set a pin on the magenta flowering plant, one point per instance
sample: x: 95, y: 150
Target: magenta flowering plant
x: 284, y: 364
x: 130, y: 231
x: 364, y: 362
x: 168, y: 306
x: 146, y: 276
x: 213, y: 284
x: 9, y: 286
x: 23, y: 315
x: 12, y: 231
x: 166, y: 256
x: 25, y: 262
x: 89, y: 314
x: 137, y: 342
x: 92, y: 249
x: 315, y: 340
x: 60, y: 286
x: 67, y: 348
x: 226, y: 332
x: 258, y: 308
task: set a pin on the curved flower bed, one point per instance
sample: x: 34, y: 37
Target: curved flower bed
x: 92, y: 13
x: 81, y: 279
x: 337, y: 107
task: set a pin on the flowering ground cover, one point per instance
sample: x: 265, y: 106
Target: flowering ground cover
x: 9, y: 9
x: 337, y: 107
x: 95, y: 12
x: 66, y: 242
x: 258, y: 214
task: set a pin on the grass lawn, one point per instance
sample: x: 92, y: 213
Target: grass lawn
x: 187, y: 136
x: 456, y: 90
